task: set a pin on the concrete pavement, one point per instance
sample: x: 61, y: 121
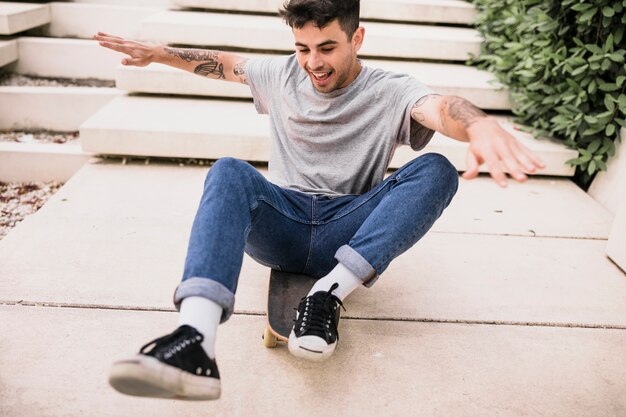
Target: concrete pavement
x: 480, y: 318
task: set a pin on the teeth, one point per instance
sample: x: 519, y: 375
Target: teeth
x: 320, y: 74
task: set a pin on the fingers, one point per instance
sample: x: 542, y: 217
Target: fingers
x: 472, y: 165
x: 138, y: 62
x: 116, y: 47
x: 106, y: 35
x: 495, y: 170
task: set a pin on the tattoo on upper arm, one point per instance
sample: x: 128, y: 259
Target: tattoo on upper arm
x: 211, y: 66
x: 417, y: 112
x: 239, y: 71
x: 463, y: 111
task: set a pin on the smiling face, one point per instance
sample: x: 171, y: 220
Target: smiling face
x: 327, y: 55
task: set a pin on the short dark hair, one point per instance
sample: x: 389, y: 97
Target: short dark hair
x: 298, y: 13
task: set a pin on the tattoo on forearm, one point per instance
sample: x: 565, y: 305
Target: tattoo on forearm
x: 211, y: 66
x: 190, y: 55
x: 239, y: 71
x: 463, y: 111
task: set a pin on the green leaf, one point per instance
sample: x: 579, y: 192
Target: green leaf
x: 601, y: 165
x: 574, y: 162
x: 588, y: 15
x: 621, y: 101
x: 580, y: 70
x: 594, y: 146
x: 606, y: 145
x: 608, y: 45
x: 610, y: 130
x: 591, y: 168
x: 592, y: 131
x: 620, y: 80
x: 594, y: 49
x: 618, y: 35
x: 609, y: 103
x: 608, y: 88
x: 616, y: 57
x: 608, y: 11
x: 581, y: 7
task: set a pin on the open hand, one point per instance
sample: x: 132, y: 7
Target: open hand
x: 139, y: 54
x: 491, y: 144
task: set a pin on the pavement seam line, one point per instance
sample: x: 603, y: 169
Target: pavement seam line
x: 23, y: 303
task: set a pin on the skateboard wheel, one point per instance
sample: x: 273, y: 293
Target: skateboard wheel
x: 269, y: 340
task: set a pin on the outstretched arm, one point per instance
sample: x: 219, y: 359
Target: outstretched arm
x: 208, y: 63
x: 459, y: 119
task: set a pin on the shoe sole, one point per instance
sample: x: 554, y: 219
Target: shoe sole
x: 304, y: 352
x: 145, y: 376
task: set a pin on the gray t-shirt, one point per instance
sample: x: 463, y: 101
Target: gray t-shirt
x: 334, y: 143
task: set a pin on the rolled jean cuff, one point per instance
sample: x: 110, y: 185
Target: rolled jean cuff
x: 353, y: 260
x: 207, y: 288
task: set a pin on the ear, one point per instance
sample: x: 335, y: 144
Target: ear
x: 357, y: 38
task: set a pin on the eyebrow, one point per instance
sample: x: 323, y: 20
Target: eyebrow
x: 321, y: 45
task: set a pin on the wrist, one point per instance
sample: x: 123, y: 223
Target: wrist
x: 157, y: 54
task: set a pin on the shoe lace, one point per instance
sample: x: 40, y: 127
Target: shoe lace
x: 318, y: 314
x: 175, y: 341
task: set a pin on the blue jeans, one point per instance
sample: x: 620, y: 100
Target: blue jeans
x: 288, y: 230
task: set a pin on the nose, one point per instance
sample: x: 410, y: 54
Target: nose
x: 315, y: 62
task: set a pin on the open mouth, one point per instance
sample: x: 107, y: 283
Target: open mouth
x: 321, y: 75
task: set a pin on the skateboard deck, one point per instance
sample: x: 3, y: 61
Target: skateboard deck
x: 285, y: 292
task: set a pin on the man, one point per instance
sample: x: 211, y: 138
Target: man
x: 327, y: 211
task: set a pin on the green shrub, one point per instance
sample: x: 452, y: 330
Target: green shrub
x: 563, y: 61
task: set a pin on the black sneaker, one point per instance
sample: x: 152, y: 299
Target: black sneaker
x: 314, y: 335
x: 176, y: 367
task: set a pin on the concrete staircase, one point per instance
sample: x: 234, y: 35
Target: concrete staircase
x: 431, y: 48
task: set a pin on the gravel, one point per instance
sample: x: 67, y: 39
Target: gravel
x: 11, y: 79
x: 39, y: 137
x: 18, y: 200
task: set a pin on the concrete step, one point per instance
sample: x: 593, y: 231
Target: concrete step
x: 8, y: 52
x: 162, y: 4
x: 432, y: 11
x: 478, y: 86
x: 29, y: 162
x: 40, y: 57
x: 197, y: 128
x: 18, y: 17
x: 271, y: 33
x: 453, y: 370
x: 61, y: 109
x: 112, y: 218
x: 70, y: 20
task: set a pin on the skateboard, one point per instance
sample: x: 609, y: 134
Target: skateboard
x: 285, y: 292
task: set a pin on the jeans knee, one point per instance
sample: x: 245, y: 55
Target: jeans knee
x: 441, y: 168
x: 227, y: 171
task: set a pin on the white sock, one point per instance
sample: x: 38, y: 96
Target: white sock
x: 341, y: 275
x: 205, y: 316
